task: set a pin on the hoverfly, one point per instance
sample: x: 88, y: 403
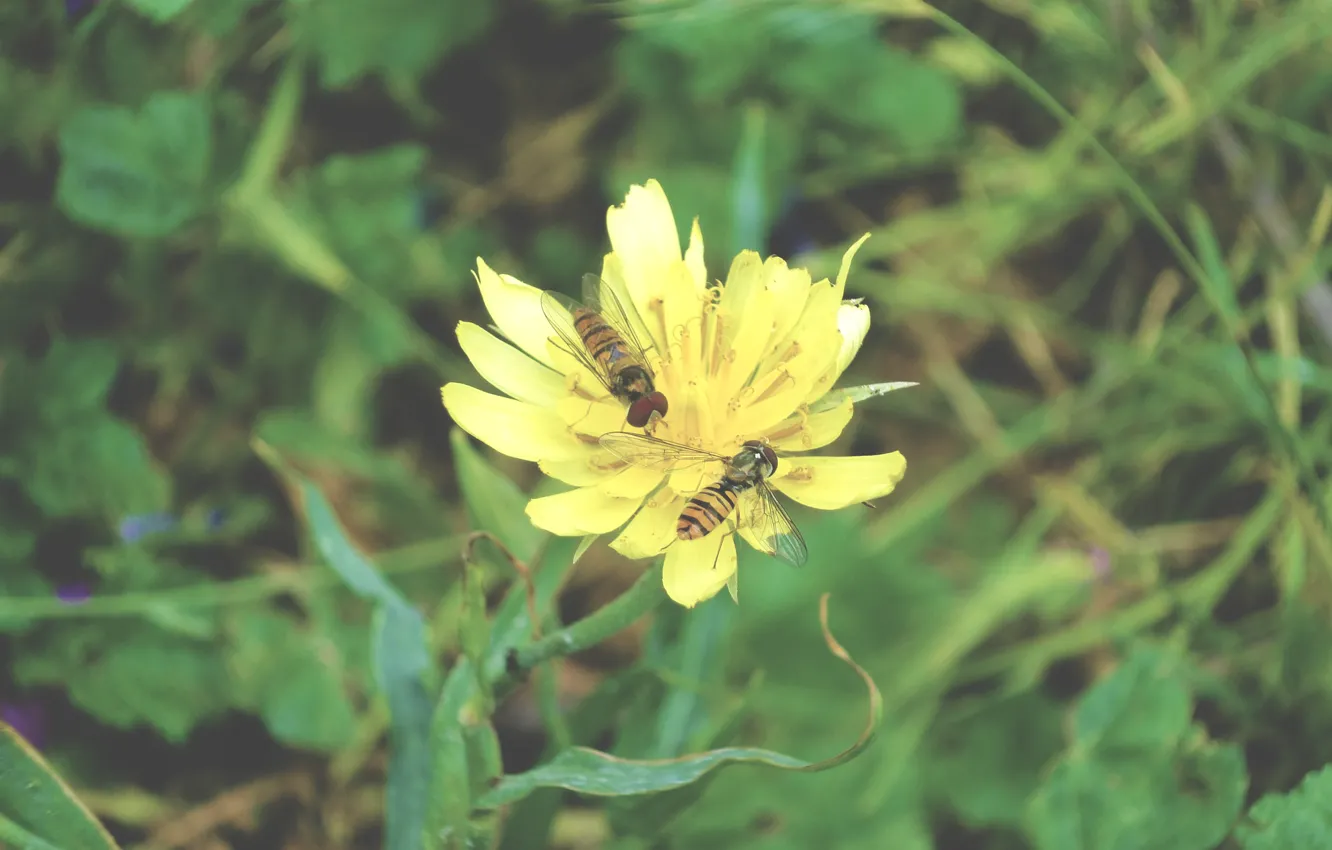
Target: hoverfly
x: 599, y: 334
x: 749, y: 469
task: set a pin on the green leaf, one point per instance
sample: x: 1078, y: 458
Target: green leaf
x: 447, y: 821
x: 589, y: 771
x: 286, y: 673
x: 401, y: 658
x: 160, y: 10
x: 136, y: 174
x: 1301, y: 818
x: 1137, y: 775
x: 71, y: 379
x: 146, y: 675
x: 365, y: 208
x: 1143, y: 704
x: 494, y: 503
x: 667, y: 721
x: 988, y: 769
x: 352, y: 38
x: 98, y: 466
x: 1187, y: 803
x: 33, y: 800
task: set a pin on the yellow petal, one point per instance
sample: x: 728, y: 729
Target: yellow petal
x: 643, y: 235
x: 509, y: 370
x: 845, y: 269
x: 582, y: 511
x: 592, y: 418
x: 696, y: 569
x: 694, y: 256
x: 515, y: 428
x: 633, y: 482
x: 853, y: 321
x: 829, y: 483
x: 516, y: 309
x: 743, y: 328
x: 790, y: 290
x: 808, y: 431
x: 653, y: 528
x: 592, y: 466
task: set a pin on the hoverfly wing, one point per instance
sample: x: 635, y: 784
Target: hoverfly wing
x: 617, y: 308
x: 774, y: 529
x: 642, y: 450
x: 559, y: 312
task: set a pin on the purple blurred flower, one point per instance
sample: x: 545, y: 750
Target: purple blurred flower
x: 133, y: 528
x: 73, y: 594
x: 1100, y: 563
x: 74, y: 8
x: 28, y: 720
x: 214, y: 518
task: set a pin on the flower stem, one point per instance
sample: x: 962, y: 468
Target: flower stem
x: 645, y: 595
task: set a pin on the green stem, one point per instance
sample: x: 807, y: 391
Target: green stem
x: 645, y: 595
x: 429, y: 554
x: 11, y: 834
x: 275, y: 132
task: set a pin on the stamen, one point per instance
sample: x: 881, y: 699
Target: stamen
x: 801, y: 473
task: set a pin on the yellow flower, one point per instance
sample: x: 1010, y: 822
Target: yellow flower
x: 755, y: 358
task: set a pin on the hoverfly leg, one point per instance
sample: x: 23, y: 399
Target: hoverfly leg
x: 586, y: 414
x: 731, y: 528
x: 869, y: 504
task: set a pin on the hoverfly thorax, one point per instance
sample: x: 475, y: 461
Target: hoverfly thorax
x: 764, y: 458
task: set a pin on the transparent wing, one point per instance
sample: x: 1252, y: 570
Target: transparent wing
x: 559, y: 312
x: 618, y: 312
x: 642, y: 450
x: 774, y: 529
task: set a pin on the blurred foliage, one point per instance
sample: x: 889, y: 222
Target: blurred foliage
x: 236, y: 236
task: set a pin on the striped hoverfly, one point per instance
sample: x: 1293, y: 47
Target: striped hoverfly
x: 717, y: 504
x: 599, y: 334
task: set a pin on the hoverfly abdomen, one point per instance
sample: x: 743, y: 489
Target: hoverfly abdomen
x: 708, y: 509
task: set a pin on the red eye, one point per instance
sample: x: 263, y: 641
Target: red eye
x: 659, y: 403
x: 771, y: 457
x: 641, y: 411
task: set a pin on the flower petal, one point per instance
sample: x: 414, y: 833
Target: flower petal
x: 743, y: 329
x: 592, y: 418
x: 845, y: 268
x: 853, y: 321
x: 644, y: 237
x: 508, y: 369
x: 592, y: 466
x: 696, y: 569
x: 516, y: 309
x: 582, y: 511
x: 806, y: 432
x: 653, y: 528
x: 515, y: 428
x: 790, y: 289
x: 830, y: 483
x: 632, y: 482
x: 694, y: 256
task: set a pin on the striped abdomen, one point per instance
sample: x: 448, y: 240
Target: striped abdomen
x: 708, y: 509
x: 601, y: 341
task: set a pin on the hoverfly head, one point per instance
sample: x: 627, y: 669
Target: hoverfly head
x: 642, y: 408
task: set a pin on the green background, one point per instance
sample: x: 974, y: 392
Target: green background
x: 235, y: 239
